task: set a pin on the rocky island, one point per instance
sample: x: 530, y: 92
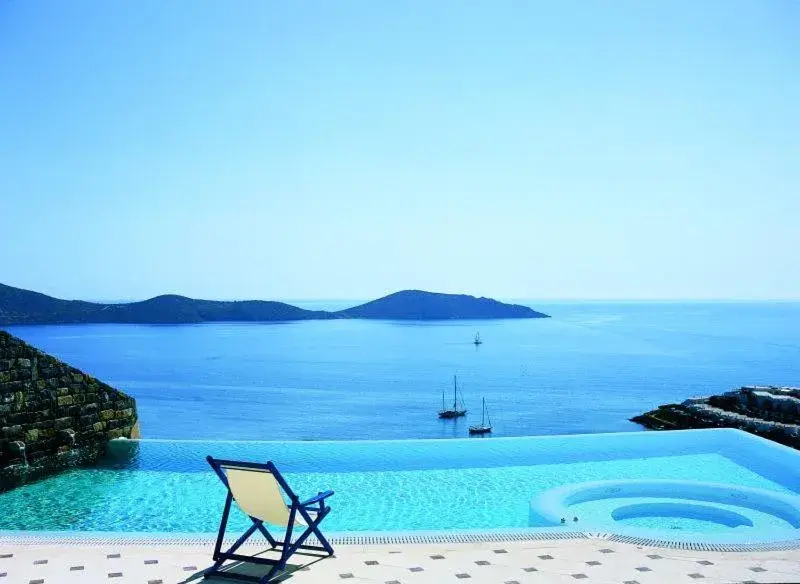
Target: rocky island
x: 18, y: 306
x: 767, y: 411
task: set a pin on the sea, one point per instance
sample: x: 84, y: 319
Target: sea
x: 589, y: 368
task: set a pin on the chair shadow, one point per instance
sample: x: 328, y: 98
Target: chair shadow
x: 258, y: 570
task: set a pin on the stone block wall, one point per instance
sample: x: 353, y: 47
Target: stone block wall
x: 53, y: 416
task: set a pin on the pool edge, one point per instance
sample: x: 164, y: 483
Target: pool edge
x: 104, y: 539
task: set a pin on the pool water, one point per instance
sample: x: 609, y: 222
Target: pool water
x: 391, y: 486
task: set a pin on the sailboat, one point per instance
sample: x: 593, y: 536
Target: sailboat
x: 477, y: 340
x: 486, y: 422
x: 455, y: 412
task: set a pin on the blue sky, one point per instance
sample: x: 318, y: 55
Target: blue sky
x: 619, y: 149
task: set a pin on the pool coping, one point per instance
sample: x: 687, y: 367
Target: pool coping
x: 105, y: 539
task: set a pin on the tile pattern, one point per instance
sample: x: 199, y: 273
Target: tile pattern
x: 555, y: 561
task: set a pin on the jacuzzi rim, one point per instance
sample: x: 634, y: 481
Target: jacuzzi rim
x: 553, y: 504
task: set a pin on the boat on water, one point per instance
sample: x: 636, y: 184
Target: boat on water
x: 486, y: 422
x: 477, y: 340
x: 456, y: 411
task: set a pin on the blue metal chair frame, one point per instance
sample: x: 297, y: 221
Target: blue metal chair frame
x: 315, y: 504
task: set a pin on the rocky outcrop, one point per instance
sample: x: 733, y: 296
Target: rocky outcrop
x: 768, y: 411
x: 53, y: 416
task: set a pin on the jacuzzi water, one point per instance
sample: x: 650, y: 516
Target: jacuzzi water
x: 410, y: 485
x: 667, y: 518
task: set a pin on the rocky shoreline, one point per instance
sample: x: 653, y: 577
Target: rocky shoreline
x: 767, y: 411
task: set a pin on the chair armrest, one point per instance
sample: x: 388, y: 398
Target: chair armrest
x: 317, y: 499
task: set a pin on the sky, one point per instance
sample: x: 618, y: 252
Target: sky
x: 315, y: 149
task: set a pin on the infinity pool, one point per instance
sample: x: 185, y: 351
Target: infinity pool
x: 438, y: 485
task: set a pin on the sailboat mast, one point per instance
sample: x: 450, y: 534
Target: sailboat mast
x: 455, y: 400
x: 483, y: 412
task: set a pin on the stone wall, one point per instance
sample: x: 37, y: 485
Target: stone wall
x: 53, y: 416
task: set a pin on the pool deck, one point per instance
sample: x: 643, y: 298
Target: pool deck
x: 518, y: 562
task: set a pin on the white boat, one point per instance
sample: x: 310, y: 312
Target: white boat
x: 486, y: 422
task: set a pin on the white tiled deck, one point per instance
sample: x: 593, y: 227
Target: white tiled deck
x: 564, y: 561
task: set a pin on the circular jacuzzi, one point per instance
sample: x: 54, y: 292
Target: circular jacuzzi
x: 670, y: 508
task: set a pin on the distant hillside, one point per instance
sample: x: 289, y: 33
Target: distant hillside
x: 420, y: 305
x: 18, y: 306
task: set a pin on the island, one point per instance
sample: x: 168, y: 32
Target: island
x: 420, y: 305
x: 23, y: 307
x: 768, y: 411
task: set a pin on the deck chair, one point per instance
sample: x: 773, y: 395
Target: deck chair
x: 257, y: 490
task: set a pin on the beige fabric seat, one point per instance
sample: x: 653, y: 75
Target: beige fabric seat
x: 258, y: 494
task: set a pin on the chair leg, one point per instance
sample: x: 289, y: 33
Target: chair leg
x: 265, y: 532
x: 223, y: 524
x: 328, y: 547
x: 313, y: 528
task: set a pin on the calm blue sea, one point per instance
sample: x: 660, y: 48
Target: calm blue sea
x: 587, y: 369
